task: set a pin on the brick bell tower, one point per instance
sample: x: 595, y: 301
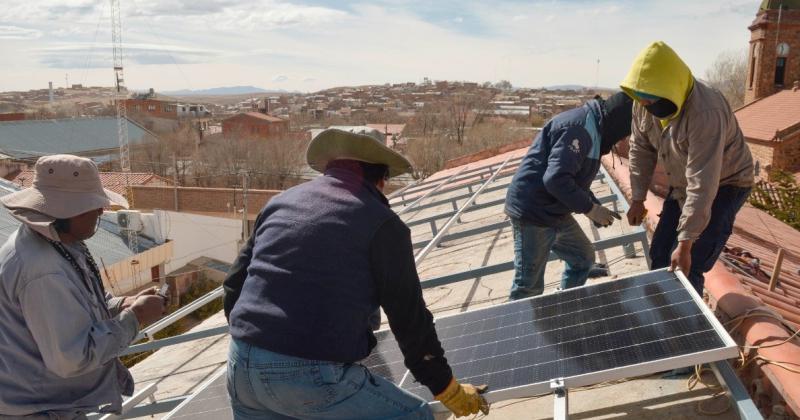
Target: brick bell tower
x: 774, y: 57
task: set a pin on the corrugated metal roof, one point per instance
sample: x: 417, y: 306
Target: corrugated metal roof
x: 34, y: 138
x: 106, y: 245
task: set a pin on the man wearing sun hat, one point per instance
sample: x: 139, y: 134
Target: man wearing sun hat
x: 60, y: 332
x: 323, y: 257
x: 689, y: 128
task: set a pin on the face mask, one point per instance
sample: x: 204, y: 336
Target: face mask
x: 662, y: 108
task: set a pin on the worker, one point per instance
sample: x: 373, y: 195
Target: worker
x: 553, y: 182
x: 324, y: 255
x: 60, y: 332
x: 688, y: 127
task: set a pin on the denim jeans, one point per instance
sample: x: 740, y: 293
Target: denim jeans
x: 267, y: 385
x: 708, y: 246
x: 532, y: 246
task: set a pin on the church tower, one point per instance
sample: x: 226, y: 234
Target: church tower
x: 774, y: 57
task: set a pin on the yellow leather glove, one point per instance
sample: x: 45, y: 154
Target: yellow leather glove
x: 463, y: 399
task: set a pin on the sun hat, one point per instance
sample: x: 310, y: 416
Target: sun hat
x: 64, y: 186
x: 365, y: 145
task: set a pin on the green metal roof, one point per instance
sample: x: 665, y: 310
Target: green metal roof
x: 34, y: 138
x: 776, y: 4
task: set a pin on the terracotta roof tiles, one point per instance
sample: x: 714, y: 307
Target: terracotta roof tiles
x: 762, y: 119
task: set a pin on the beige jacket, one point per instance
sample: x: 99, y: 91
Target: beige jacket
x: 701, y: 149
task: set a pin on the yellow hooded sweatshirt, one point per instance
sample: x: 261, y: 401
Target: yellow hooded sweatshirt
x: 658, y: 71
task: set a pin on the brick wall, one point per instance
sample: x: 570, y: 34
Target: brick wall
x: 787, y: 156
x: 199, y: 200
x: 12, y: 116
x: 763, y: 153
x: 762, y: 56
x: 152, y: 108
x: 245, y: 126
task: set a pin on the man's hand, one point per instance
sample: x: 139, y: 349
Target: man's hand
x: 464, y: 399
x: 148, y: 308
x: 636, y: 213
x: 602, y: 216
x: 129, y: 300
x: 682, y: 257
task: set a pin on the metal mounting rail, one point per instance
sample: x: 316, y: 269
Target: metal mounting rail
x: 177, y: 315
x: 133, y: 401
x: 470, y: 173
x: 443, y: 231
x: 508, y: 172
x: 625, y: 207
x: 603, y: 200
x: 431, y: 191
x: 400, y: 192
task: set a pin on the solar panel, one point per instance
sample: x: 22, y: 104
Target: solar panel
x: 628, y: 327
x: 638, y: 325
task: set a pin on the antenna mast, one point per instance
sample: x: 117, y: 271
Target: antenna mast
x: 122, y: 113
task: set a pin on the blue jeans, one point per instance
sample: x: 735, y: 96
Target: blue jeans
x: 267, y: 385
x: 532, y: 246
x: 708, y: 246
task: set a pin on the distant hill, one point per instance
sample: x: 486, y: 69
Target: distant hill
x: 579, y: 88
x: 565, y: 87
x: 228, y: 90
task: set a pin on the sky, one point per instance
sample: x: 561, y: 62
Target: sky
x: 309, y: 45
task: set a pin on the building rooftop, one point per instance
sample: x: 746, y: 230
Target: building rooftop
x: 264, y: 117
x: 30, y: 139
x: 114, y: 181
x: 768, y: 118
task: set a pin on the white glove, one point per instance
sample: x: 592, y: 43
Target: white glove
x: 602, y: 216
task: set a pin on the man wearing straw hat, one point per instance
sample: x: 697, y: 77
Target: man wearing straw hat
x: 323, y: 257
x: 60, y: 332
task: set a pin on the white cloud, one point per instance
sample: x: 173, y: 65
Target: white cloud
x: 15, y: 32
x: 225, y: 42
x: 280, y: 78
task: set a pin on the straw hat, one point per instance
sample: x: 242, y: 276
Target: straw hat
x: 64, y: 186
x: 365, y: 146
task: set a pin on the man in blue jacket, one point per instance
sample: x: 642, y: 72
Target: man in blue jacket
x: 323, y: 257
x: 553, y: 182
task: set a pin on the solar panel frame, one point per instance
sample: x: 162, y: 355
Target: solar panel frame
x: 730, y: 350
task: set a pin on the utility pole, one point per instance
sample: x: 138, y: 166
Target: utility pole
x: 245, y: 221
x: 122, y: 113
x: 175, y: 178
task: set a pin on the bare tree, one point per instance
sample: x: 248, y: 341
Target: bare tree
x: 728, y: 74
x: 461, y: 111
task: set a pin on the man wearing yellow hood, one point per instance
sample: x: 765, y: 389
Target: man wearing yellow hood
x: 689, y: 128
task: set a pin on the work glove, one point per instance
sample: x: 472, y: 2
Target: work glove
x: 602, y: 216
x: 464, y: 399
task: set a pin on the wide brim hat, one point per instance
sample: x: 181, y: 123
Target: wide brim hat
x: 64, y: 186
x: 367, y: 145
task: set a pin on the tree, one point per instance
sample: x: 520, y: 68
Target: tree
x: 503, y: 85
x: 460, y: 110
x: 728, y: 73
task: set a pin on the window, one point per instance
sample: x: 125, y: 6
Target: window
x: 151, y: 107
x: 780, y: 70
x: 136, y: 108
x: 168, y: 108
x: 752, y: 66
